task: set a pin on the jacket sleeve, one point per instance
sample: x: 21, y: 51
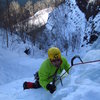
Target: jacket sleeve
x: 66, y: 65
x: 43, y: 76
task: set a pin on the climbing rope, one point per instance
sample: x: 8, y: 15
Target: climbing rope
x: 72, y: 64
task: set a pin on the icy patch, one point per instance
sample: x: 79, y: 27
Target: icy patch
x: 92, y: 55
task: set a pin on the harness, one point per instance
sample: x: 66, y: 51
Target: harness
x: 55, y: 77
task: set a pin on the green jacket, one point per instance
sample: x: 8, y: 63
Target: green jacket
x: 47, y: 69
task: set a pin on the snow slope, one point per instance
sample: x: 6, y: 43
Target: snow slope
x: 83, y: 82
x: 15, y: 66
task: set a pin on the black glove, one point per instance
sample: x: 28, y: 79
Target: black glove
x: 51, y: 87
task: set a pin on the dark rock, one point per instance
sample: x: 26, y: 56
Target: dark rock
x: 89, y: 9
x: 93, y: 38
x: 27, y: 51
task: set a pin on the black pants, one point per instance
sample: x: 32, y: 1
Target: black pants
x: 36, y: 84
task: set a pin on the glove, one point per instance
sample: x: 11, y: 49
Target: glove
x: 51, y: 88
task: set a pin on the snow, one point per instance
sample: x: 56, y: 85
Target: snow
x: 40, y: 17
x: 16, y: 66
x: 97, y: 19
x: 96, y: 44
x: 74, y: 19
x: 81, y: 84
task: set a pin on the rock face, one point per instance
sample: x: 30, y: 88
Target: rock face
x: 89, y: 7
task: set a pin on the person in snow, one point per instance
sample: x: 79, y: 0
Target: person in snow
x: 50, y: 68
